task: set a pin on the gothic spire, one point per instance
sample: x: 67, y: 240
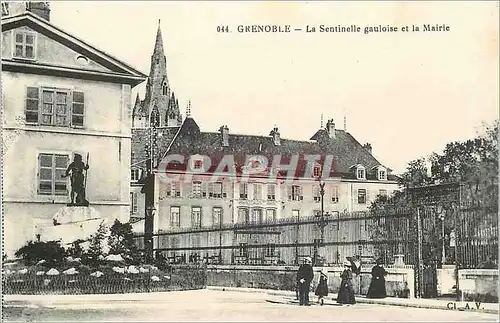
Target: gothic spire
x: 158, y: 50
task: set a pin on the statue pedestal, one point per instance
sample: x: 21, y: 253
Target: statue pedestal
x: 74, y: 214
x: 71, y: 224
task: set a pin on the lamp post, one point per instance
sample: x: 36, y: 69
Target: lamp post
x: 443, y: 252
x: 322, y: 221
x: 148, y: 188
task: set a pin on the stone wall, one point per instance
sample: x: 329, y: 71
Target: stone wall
x: 479, y: 284
x: 398, y: 280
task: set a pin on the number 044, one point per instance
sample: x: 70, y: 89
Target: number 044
x: 222, y: 29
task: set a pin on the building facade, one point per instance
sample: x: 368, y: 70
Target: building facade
x: 194, y: 197
x: 61, y: 96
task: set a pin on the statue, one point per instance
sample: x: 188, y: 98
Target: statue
x: 78, y: 180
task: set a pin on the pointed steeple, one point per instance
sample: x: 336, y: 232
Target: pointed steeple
x: 158, y: 50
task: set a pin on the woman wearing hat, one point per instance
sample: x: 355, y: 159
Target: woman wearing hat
x: 377, y: 285
x: 346, y: 291
x: 322, y: 288
x: 304, y: 277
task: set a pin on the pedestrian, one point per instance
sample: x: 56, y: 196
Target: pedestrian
x: 346, y: 291
x: 322, y: 288
x: 305, y: 276
x: 377, y: 284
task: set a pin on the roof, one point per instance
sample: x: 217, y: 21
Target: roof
x: 120, y: 69
x: 344, y: 149
x: 139, y: 141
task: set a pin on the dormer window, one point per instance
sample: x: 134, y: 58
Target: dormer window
x: 24, y: 45
x: 360, y: 172
x: 382, y: 174
x: 197, y: 164
x: 317, y: 171
x: 135, y: 174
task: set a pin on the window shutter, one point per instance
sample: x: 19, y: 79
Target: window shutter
x: 289, y: 192
x: 356, y: 196
x: 210, y: 189
x: 32, y: 105
x: 188, y: 188
x: 203, y: 188
x: 77, y: 109
x: 224, y: 190
x: 300, y: 193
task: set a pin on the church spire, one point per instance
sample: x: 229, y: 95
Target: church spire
x: 158, y: 50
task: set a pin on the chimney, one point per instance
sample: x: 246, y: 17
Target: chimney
x: 39, y: 8
x: 368, y: 147
x: 276, y: 136
x: 330, y: 128
x: 224, y: 131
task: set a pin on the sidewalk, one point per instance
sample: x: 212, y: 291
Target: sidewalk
x: 390, y: 301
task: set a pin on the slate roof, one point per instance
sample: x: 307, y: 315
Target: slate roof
x: 344, y: 148
x: 140, y: 138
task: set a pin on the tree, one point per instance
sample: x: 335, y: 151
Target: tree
x: 416, y: 174
x: 121, y: 241
x: 94, y: 256
x: 474, y: 163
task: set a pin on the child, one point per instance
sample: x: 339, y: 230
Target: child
x: 322, y: 288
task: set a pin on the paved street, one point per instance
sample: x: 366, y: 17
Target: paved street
x: 208, y: 305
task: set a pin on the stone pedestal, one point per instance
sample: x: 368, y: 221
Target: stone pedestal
x: 71, y: 223
x: 399, y: 260
x: 75, y: 214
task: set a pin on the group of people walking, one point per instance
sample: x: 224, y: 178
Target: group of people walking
x: 345, y: 294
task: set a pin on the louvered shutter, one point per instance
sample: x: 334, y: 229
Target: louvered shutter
x: 32, y: 105
x: 77, y: 109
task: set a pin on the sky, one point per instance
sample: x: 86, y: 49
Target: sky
x: 406, y: 93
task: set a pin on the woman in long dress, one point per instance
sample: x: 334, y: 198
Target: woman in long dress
x: 377, y: 285
x: 346, y: 291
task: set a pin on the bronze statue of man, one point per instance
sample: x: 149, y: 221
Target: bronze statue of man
x: 77, y: 178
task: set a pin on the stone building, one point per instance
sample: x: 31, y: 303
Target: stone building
x: 61, y: 96
x: 199, y: 201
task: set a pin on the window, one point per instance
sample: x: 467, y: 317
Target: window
x: 382, y: 174
x: 196, y: 189
x: 270, y: 215
x: 175, y: 216
x: 361, y: 196
x: 243, y: 250
x: 242, y: 215
x: 257, y: 191
x: 215, y: 190
x: 135, y: 174
x: 217, y: 216
x: 270, y: 250
x: 54, y: 107
x: 360, y: 173
x: 243, y: 191
x: 24, y: 45
x: 197, y: 164
x: 316, y: 212
x: 133, y: 203
x: 295, y: 193
x: 174, y: 242
x: 271, y: 192
x: 382, y: 192
x: 256, y: 216
x: 335, y: 194
x: 295, y: 214
x: 174, y: 189
x: 317, y: 171
x: 164, y: 89
x: 50, y: 169
x: 196, y: 217
x: 316, y: 193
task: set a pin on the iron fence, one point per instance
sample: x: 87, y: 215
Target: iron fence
x: 177, y: 278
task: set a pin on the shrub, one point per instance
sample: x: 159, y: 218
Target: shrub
x: 52, y: 252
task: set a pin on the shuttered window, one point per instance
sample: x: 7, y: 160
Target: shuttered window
x: 54, y: 107
x: 51, y: 167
